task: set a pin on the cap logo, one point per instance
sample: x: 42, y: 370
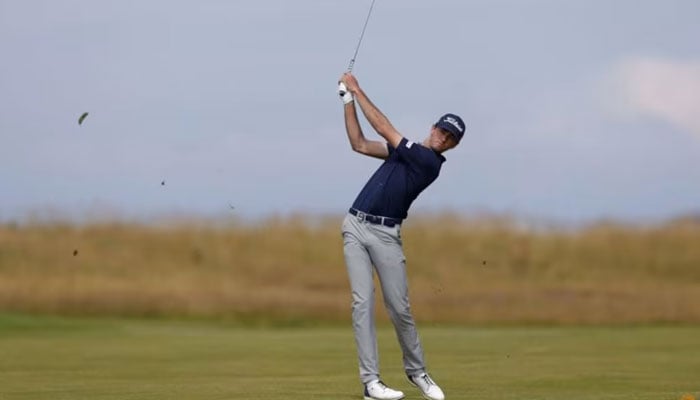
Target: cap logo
x: 452, y: 121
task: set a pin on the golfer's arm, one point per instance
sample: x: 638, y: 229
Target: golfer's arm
x: 379, y: 122
x: 357, y: 139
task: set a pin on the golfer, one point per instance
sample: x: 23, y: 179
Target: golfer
x: 372, y: 234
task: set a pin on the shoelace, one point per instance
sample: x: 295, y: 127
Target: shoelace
x: 382, y: 385
x: 427, y: 380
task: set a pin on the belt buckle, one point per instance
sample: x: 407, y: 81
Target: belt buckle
x: 361, y: 215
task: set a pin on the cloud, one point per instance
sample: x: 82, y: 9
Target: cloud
x: 664, y: 89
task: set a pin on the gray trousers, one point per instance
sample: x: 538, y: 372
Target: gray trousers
x: 366, y: 245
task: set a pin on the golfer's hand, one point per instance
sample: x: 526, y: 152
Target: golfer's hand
x: 345, y: 94
x: 350, y: 82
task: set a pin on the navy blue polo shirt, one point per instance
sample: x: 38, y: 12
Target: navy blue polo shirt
x: 408, y: 169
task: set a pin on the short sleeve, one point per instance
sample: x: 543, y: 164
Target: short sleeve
x: 415, y: 153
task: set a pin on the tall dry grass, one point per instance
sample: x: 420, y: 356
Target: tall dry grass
x: 460, y: 270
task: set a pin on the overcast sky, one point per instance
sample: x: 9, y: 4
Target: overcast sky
x: 575, y: 109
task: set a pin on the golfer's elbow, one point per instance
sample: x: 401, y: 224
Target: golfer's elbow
x: 359, y: 146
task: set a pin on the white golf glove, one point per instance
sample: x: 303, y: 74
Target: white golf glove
x: 345, y: 95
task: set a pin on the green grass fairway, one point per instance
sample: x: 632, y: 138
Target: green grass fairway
x: 80, y: 358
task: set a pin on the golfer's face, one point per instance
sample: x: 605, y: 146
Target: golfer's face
x: 442, y: 140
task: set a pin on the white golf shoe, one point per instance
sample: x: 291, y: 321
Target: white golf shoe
x: 427, y: 386
x: 377, y: 390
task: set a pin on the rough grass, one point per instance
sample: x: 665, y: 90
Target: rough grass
x: 460, y: 270
x: 77, y: 358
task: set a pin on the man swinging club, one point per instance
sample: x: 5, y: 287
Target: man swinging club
x: 371, y: 234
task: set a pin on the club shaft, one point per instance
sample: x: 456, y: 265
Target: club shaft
x: 362, y: 35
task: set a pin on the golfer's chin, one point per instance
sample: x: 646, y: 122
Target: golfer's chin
x: 439, y: 147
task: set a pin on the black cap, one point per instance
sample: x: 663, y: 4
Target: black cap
x: 453, y: 124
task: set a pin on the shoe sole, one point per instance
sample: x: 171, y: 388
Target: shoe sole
x: 394, y: 398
